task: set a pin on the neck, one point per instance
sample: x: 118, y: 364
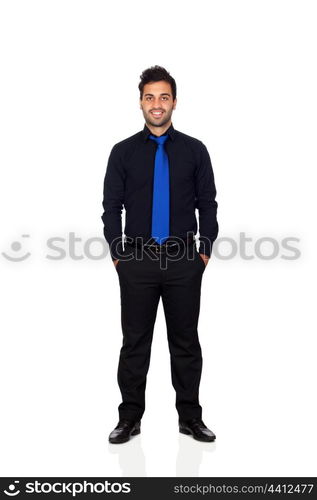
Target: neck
x: 159, y: 130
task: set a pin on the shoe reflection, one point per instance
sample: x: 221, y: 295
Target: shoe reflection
x: 188, y: 460
x: 131, y: 457
x: 190, y: 455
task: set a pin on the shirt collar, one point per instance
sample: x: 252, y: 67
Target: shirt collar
x: 146, y: 132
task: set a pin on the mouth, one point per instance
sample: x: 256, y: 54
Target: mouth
x: 156, y: 114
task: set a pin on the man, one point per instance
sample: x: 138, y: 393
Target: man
x: 160, y: 176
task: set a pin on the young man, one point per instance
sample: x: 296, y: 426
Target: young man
x: 160, y: 176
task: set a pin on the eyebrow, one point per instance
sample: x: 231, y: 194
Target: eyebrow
x: 163, y: 93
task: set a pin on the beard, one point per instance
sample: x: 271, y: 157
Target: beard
x: 155, y: 123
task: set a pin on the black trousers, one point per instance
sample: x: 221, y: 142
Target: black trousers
x: 144, y: 278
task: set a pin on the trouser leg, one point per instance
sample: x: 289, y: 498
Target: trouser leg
x: 181, y: 302
x: 140, y: 294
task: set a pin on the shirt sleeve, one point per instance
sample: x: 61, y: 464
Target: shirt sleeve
x: 113, y: 197
x: 205, y: 202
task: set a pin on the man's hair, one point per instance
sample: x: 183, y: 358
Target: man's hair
x: 156, y: 74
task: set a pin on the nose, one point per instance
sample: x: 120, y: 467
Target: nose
x: 156, y: 103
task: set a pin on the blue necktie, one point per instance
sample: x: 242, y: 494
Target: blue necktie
x: 160, y: 208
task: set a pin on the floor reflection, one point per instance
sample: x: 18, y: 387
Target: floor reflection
x: 131, y: 457
x: 190, y: 455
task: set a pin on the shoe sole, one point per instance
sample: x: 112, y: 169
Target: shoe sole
x: 189, y: 433
x: 133, y: 433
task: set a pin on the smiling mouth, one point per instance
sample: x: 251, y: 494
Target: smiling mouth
x: 156, y: 114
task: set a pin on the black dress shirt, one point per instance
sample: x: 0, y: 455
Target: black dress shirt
x: 128, y: 183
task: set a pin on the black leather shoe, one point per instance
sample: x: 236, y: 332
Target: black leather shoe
x: 124, y: 430
x: 197, y: 429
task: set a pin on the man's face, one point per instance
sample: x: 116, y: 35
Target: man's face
x: 157, y: 97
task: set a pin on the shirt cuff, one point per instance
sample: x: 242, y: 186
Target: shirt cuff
x: 116, y: 250
x: 205, y: 246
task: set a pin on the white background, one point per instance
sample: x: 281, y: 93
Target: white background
x: 246, y: 76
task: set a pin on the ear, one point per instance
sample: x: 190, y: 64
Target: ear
x: 174, y: 103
